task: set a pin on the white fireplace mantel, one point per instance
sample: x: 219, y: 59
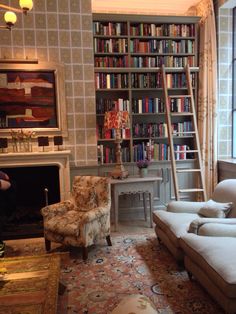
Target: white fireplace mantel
x: 32, y: 159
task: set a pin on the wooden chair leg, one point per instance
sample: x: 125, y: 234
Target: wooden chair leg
x: 108, y: 240
x: 190, y: 275
x: 85, y: 253
x: 47, y: 245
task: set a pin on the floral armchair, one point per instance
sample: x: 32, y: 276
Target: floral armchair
x: 84, y: 218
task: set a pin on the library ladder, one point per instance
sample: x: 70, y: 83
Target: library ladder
x: 178, y: 152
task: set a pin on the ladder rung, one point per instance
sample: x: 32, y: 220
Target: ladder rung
x: 185, y: 132
x: 179, y: 96
x: 185, y: 151
x: 188, y: 170
x: 190, y: 190
x: 181, y: 113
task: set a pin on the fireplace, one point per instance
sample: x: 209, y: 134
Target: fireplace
x: 40, y: 178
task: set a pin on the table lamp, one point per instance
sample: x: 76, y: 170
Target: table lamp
x: 117, y: 120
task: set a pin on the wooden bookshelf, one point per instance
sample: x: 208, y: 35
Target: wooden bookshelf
x: 129, y: 51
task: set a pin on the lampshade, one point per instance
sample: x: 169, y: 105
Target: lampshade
x: 26, y: 4
x: 116, y: 120
x: 10, y: 18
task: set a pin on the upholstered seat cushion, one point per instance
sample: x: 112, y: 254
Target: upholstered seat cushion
x: 174, y: 225
x: 66, y: 225
x: 214, y: 258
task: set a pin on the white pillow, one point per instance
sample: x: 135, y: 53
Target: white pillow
x: 214, y: 209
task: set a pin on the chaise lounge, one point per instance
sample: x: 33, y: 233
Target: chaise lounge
x: 191, y: 237
x: 173, y: 223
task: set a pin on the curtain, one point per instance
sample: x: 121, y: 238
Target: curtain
x: 207, y: 105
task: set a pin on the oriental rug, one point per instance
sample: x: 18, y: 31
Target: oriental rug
x: 29, y: 284
x: 135, y: 264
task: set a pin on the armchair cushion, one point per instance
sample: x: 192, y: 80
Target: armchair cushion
x: 85, y: 198
x: 215, y: 209
x: 66, y: 225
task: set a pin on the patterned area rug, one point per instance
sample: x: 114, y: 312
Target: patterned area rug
x: 29, y: 284
x: 135, y: 264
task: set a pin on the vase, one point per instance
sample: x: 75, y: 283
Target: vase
x: 143, y: 172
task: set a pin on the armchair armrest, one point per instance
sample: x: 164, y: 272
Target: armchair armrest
x: 184, y: 207
x: 57, y: 209
x: 93, y: 214
x: 198, y: 223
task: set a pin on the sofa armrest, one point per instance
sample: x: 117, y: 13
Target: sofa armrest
x: 57, y: 209
x: 95, y: 213
x: 184, y: 207
x: 196, y: 224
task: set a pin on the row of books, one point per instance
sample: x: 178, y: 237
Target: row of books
x: 151, y: 29
x: 143, y: 29
x: 153, y: 152
x: 102, y: 133
x: 148, y: 105
x: 162, y: 46
x: 113, y: 80
x: 141, y: 80
x: 107, y: 154
x: 154, y: 80
x: 109, y: 28
x: 149, y: 130
x: 181, y: 127
x: 157, y: 61
x: 115, y: 62
x: 181, y: 152
x: 143, y: 62
x: 180, y: 104
x: 160, y: 151
x: 118, y: 45
x: 178, y: 80
x: 104, y: 104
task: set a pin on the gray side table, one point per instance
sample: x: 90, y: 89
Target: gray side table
x: 133, y: 185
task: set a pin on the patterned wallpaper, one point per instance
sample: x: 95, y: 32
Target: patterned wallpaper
x: 61, y: 31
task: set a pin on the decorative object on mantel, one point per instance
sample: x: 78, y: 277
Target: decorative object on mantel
x: 43, y: 141
x: 143, y: 167
x: 117, y: 120
x: 10, y: 17
x: 22, y: 140
x: 58, y: 141
x: 3, y: 144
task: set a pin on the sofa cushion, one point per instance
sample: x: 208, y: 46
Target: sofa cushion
x: 215, y: 209
x: 215, y: 258
x: 174, y: 225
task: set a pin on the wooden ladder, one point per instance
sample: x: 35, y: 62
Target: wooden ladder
x: 196, y: 172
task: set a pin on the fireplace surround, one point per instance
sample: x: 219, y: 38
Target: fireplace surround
x: 39, y: 170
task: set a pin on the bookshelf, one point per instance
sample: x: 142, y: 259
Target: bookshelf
x: 129, y: 51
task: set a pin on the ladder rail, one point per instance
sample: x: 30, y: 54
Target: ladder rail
x: 197, y: 141
x: 169, y: 129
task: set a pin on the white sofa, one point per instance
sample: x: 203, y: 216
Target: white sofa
x: 174, y: 223
x: 209, y: 257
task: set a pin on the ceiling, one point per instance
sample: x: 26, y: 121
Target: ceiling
x: 160, y: 7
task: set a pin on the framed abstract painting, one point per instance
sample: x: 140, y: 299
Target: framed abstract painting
x: 32, y: 96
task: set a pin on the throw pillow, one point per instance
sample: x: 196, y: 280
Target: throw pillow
x: 214, y: 209
x: 85, y: 198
